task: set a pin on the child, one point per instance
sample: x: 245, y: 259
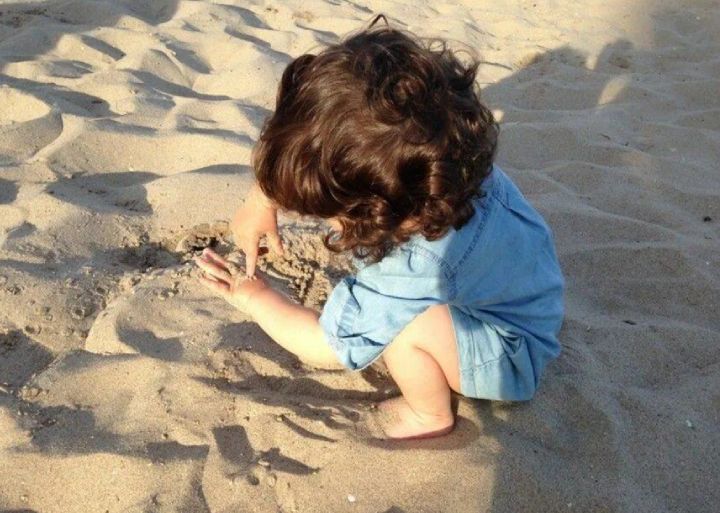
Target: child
x: 459, y: 286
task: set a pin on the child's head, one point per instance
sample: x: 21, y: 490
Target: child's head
x: 381, y: 132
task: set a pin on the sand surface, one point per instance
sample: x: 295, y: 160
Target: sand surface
x: 125, y: 133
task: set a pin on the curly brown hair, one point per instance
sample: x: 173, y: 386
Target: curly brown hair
x: 384, y: 132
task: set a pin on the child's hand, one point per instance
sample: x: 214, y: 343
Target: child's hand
x: 255, y: 219
x: 220, y: 277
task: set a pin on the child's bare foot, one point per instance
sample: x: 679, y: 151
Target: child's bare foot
x: 400, y: 422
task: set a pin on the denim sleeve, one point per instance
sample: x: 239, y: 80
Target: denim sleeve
x: 364, y: 313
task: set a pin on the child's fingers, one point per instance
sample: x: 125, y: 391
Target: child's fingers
x: 250, y: 249
x: 211, y: 256
x: 214, y: 270
x: 220, y: 287
x: 275, y: 242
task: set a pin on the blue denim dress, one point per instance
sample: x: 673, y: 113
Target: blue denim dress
x: 500, y: 276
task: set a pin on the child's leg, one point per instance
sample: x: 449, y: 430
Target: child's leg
x: 423, y: 361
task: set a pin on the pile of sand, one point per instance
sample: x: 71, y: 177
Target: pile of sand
x: 125, y: 133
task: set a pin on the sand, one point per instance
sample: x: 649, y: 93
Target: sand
x: 125, y: 134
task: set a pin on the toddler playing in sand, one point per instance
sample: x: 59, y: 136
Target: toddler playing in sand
x: 458, y: 286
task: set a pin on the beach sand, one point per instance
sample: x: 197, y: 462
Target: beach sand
x: 125, y: 133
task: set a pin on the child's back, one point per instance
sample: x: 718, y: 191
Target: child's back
x: 500, y: 276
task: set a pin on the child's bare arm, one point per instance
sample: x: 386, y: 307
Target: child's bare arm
x: 294, y: 327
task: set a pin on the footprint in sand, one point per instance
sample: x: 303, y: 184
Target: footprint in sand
x: 27, y: 124
x: 11, y: 219
x: 19, y: 107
